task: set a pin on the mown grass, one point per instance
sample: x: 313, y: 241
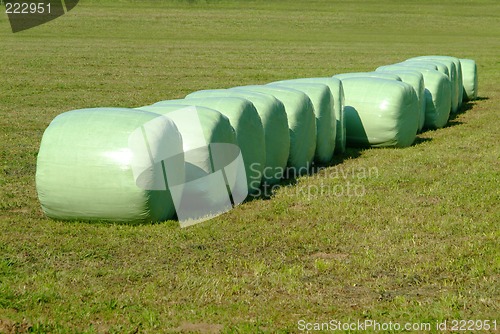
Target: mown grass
x: 419, y: 245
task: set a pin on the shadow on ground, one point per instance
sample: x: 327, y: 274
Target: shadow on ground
x: 268, y: 191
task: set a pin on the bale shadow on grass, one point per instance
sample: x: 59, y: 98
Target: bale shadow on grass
x: 467, y: 105
x: 171, y: 222
x: 267, y: 192
x: 464, y: 108
x: 420, y: 140
x: 350, y: 153
x: 451, y: 123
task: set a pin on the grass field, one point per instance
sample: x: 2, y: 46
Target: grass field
x: 416, y: 239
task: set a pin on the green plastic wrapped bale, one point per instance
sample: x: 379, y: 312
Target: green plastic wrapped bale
x: 322, y: 100
x: 337, y: 91
x: 437, y: 99
x: 380, y: 112
x: 453, y: 74
x: 414, y: 79
x: 301, y: 124
x: 94, y: 164
x: 275, y: 124
x: 379, y: 75
x: 469, y: 78
x: 420, y: 65
x: 204, y: 194
x: 248, y: 127
x: 213, y: 128
x: 443, y: 68
x: 458, y: 74
x: 437, y: 94
x: 439, y: 66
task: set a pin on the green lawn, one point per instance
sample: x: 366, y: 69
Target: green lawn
x: 417, y: 242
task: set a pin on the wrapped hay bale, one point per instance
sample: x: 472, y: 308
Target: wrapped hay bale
x: 437, y: 94
x: 209, y: 144
x: 322, y: 100
x: 337, y: 92
x: 275, y: 125
x: 107, y: 164
x: 469, y: 79
x: 458, y: 73
x: 301, y: 124
x: 367, y: 75
x: 420, y: 65
x: 437, y: 65
x: 380, y: 112
x: 414, y: 79
x: 248, y: 128
x: 454, y: 74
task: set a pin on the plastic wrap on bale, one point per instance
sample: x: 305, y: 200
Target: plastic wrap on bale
x: 414, y: 79
x: 337, y: 91
x: 469, y: 78
x: 379, y: 75
x: 380, y: 112
x: 437, y: 93
x: 275, y: 125
x: 301, y: 124
x: 208, y: 144
x: 322, y: 100
x: 454, y: 74
x: 437, y: 65
x: 443, y: 68
x: 109, y: 164
x: 248, y: 128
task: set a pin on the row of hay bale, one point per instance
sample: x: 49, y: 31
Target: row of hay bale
x: 132, y: 165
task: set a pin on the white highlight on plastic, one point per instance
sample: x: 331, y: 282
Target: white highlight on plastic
x: 123, y: 156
